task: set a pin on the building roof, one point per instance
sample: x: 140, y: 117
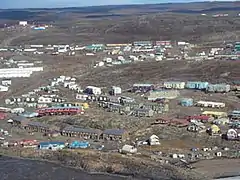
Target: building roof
x: 19, y: 118
x: 117, y: 132
x: 82, y: 130
x: 37, y: 124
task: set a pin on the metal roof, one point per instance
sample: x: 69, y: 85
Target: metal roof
x: 117, y: 132
x: 38, y: 124
x: 19, y: 118
x: 82, y: 130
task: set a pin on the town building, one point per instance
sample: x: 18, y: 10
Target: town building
x: 115, y: 134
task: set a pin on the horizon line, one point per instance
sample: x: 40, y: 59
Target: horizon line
x: 132, y: 4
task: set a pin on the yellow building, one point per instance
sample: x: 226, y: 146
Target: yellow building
x: 215, y: 114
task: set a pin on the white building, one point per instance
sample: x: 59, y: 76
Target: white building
x: 154, y: 140
x: 45, y: 100
x: 23, y: 23
x: 6, y: 82
x: 93, y: 90
x: 3, y: 88
x: 128, y: 149
x: 210, y: 104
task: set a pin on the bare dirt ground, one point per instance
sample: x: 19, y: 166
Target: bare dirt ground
x: 219, y: 167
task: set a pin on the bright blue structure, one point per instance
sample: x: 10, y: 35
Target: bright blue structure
x: 186, y: 102
x: 79, y: 144
x: 51, y: 145
x: 196, y: 85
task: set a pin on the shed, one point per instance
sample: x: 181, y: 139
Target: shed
x: 128, y: 149
x: 215, y: 114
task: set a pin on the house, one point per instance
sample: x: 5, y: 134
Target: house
x: 29, y: 114
x: 201, y: 118
x: 215, y: 114
x: 93, y: 90
x: 115, y: 134
x: 115, y: 90
x: 218, y: 88
x: 154, y: 140
x: 196, y: 85
x: 81, y: 133
x: 142, y: 43
x: 6, y: 82
x: 51, y: 145
x: 214, y: 130
x: 143, y: 112
x: 174, y: 85
x: 233, y: 134
x: 162, y: 121
x: 19, y: 121
x: 45, y: 100
x: 79, y: 144
x: 37, y: 127
x: 235, y: 115
x: 162, y: 94
x: 82, y: 97
x: 179, y: 122
x: 186, y: 102
x: 210, y: 104
x: 196, y: 127
x: 3, y: 88
x: 128, y: 149
x: 142, y: 87
x: 221, y: 121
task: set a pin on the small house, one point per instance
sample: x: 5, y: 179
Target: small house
x: 214, y: 130
x: 51, y: 145
x: 79, y: 144
x: 235, y: 115
x: 154, y: 140
x: 196, y: 85
x: 3, y: 88
x: 233, y: 134
x: 174, y: 85
x: 162, y: 121
x: 6, y: 82
x: 81, y: 133
x: 142, y: 112
x: 186, y: 102
x: 115, y: 134
x: 218, y: 88
x: 45, y: 100
x: 93, y: 90
x: 142, y: 87
x: 128, y: 149
x: 19, y: 121
x: 221, y: 121
x: 115, y: 90
x: 201, y: 118
x: 196, y: 127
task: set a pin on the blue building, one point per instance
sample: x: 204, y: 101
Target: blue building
x: 196, y: 85
x: 219, y: 88
x: 51, y: 145
x: 79, y: 144
x: 186, y: 102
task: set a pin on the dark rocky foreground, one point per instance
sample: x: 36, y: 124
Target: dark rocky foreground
x: 24, y: 169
